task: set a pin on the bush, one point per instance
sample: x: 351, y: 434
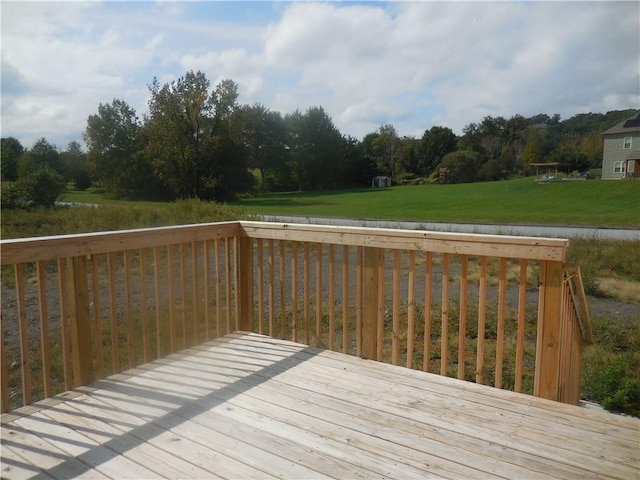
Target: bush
x: 12, y: 196
x: 613, y: 382
x: 39, y: 188
x: 82, y: 180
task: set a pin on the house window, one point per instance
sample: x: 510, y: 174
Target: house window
x: 626, y: 144
x: 618, y: 167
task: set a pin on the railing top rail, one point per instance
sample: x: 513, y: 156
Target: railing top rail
x: 62, y: 246
x: 532, y: 248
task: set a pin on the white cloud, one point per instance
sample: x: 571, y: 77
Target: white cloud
x: 413, y: 64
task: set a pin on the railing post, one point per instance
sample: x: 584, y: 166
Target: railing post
x: 245, y: 284
x: 373, y: 257
x: 78, y: 301
x: 547, y: 375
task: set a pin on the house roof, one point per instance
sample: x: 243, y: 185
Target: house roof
x: 629, y: 125
x: 634, y: 155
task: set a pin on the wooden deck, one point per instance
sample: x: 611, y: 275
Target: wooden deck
x: 248, y: 406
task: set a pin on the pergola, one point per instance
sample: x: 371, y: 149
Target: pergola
x: 546, y: 165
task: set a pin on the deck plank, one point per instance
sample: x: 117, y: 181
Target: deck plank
x: 248, y: 406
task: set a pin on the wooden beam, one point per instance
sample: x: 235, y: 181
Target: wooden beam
x: 373, y: 257
x: 454, y: 243
x: 547, y: 376
x: 80, y: 322
x: 245, y: 284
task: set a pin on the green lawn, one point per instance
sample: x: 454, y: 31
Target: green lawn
x: 591, y: 202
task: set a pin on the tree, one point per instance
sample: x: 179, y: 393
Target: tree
x: 264, y: 135
x: 533, y: 151
x: 315, y: 144
x: 358, y: 168
x: 12, y: 150
x: 463, y: 166
x: 591, y: 148
x: 434, y: 145
x: 194, y: 138
x: 114, y: 138
x: 74, y: 166
x: 386, y: 147
x: 42, y: 154
x: 408, y: 156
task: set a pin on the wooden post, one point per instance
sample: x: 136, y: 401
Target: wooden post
x: 373, y: 258
x: 80, y: 322
x: 547, y: 375
x: 245, y: 284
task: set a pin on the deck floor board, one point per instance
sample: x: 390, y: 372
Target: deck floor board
x: 249, y: 406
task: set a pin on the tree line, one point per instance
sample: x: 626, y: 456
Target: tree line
x: 199, y: 142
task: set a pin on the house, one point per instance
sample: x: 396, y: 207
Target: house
x: 621, y: 154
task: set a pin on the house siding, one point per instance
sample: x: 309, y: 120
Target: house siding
x: 613, y: 152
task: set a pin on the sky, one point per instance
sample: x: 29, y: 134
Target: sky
x: 411, y: 64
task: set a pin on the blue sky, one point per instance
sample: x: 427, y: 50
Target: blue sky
x: 412, y: 64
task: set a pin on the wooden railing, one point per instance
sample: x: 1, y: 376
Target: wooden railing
x: 498, y: 310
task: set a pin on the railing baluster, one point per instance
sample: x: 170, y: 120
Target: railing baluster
x: 502, y: 293
x: 294, y: 290
x: 396, y: 307
x: 25, y: 365
x: 97, y: 314
x: 4, y: 372
x: 260, y: 285
x: 319, y: 342
x: 227, y: 264
x: 411, y: 307
x: 359, y: 300
x: 283, y: 298
x: 206, y: 260
x: 196, y: 291
x: 236, y: 284
x: 462, y: 322
x: 184, y: 296
x: 332, y: 295
x: 172, y: 302
x: 307, y: 280
x: 157, y: 279
x: 522, y: 305
x: 41, y: 268
x: 218, y: 286
x: 428, y: 298
x: 482, y: 310
x: 128, y: 290
x: 80, y: 323
x: 113, y: 310
x: 142, y: 255
x: 380, y: 295
x: 345, y: 299
x: 272, y: 281
x: 444, y: 337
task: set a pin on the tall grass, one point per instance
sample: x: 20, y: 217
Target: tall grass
x: 82, y: 219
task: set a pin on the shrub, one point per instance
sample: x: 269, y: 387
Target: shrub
x: 82, y: 180
x: 12, y: 196
x: 41, y: 187
x: 611, y: 373
x: 612, y: 382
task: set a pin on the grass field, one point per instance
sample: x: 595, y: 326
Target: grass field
x: 593, y: 202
